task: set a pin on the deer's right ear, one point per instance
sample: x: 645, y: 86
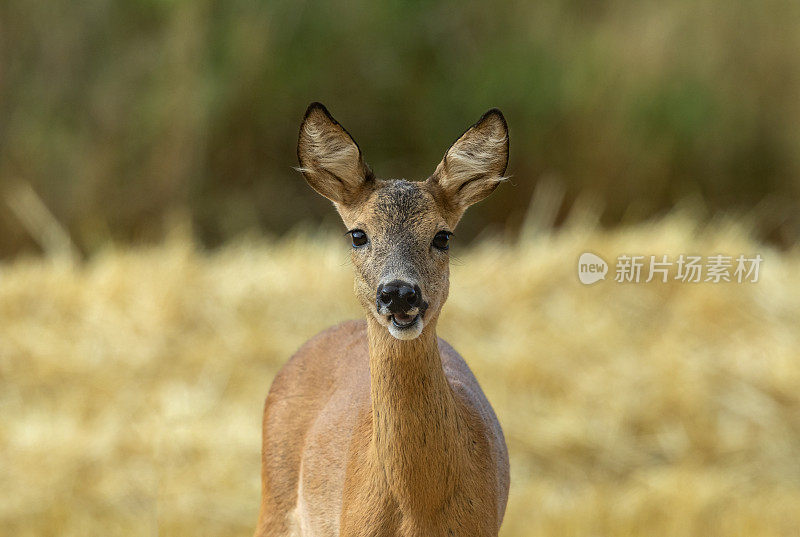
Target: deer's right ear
x: 473, y: 166
x: 330, y: 159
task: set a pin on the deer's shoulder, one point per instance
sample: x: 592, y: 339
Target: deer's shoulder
x: 314, y: 365
x: 467, y: 389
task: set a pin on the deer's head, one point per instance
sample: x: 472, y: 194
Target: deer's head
x: 400, y: 229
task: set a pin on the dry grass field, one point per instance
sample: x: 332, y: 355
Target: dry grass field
x: 131, y: 385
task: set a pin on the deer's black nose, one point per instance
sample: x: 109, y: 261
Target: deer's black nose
x: 398, y: 296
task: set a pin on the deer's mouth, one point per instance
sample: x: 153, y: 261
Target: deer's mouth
x: 403, y: 320
x: 405, y: 326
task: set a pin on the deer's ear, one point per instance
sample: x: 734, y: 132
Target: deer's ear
x: 330, y: 159
x: 474, y: 165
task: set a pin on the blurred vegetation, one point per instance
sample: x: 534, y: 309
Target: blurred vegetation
x: 121, y: 114
x: 665, y: 410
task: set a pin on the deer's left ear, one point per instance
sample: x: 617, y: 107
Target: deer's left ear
x: 330, y: 159
x: 473, y: 166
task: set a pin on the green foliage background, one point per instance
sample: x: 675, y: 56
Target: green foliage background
x: 121, y: 113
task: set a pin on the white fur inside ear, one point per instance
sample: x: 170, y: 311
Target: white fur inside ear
x: 475, y: 164
x: 329, y: 157
x: 475, y: 158
x: 329, y: 149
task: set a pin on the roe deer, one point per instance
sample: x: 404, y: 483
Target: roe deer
x: 378, y: 427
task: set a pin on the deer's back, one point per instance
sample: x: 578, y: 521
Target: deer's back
x: 317, y: 402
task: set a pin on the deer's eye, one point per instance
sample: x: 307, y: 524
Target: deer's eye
x: 442, y: 240
x: 359, y: 237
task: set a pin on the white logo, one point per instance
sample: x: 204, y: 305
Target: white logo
x: 591, y: 268
x: 631, y: 268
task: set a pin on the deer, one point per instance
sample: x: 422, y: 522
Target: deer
x: 378, y: 427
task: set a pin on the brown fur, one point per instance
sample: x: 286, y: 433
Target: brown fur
x: 366, y: 434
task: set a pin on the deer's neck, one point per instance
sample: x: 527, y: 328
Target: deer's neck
x: 415, y: 420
